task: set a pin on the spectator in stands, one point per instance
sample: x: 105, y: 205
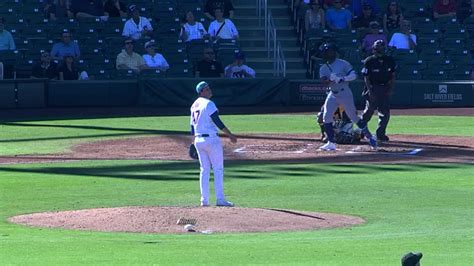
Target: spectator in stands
x: 222, y: 28
x: 154, y: 60
x: 464, y: 9
x: 314, y: 18
x: 363, y: 21
x: 403, y: 39
x: 128, y: 59
x: 137, y: 27
x: 225, y: 5
x: 45, y: 68
x: 66, y: 46
x: 67, y: 69
x: 115, y: 9
x: 392, y: 19
x: 329, y: 3
x: 356, y: 7
x: 49, y: 9
x: 238, y: 69
x: 208, y: 67
x: 374, y: 35
x: 192, y: 29
x: 6, y: 38
x: 444, y: 9
x: 337, y: 17
x: 84, y: 9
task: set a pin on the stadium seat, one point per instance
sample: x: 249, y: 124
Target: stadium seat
x: 99, y: 74
x: 180, y: 70
x: 461, y: 73
x: 152, y: 73
x: 449, y: 44
x: 458, y: 32
x: 435, y: 74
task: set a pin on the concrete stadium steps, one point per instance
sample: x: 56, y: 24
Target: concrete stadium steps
x: 252, y: 38
x: 264, y: 62
x: 256, y: 31
x: 250, y: 10
x: 260, y: 42
x: 290, y: 52
x: 254, y: 21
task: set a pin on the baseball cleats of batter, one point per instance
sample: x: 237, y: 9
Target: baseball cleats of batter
x: 373, y: 143
x: 204, y: 204
x: 328, y: 147
x: 224, y: 203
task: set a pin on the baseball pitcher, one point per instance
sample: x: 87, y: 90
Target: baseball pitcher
x: 205, y: 122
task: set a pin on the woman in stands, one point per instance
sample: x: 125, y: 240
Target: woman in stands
x: 393, y: 17
x: 67, y: 69
x: 314, y: 18
x: 192, y: 29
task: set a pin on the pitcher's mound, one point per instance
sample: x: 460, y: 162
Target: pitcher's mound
x: 173, y: 219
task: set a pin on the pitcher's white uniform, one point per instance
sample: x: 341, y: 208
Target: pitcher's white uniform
x: 209, y: 148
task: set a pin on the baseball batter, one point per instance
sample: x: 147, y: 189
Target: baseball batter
x: 336, y: 74
x: 205, y: 122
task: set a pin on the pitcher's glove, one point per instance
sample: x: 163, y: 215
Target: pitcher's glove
x: 193, y: 152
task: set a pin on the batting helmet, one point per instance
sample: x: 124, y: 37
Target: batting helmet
x: 328, y: 51
x: 378, y: 46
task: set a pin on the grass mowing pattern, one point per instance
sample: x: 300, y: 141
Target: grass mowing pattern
x: 424, y: 207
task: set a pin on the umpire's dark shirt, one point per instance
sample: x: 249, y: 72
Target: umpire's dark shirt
x: 379, y: 69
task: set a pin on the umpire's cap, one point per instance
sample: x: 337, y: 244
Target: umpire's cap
x: 411, y: 259
x: 201, y: 86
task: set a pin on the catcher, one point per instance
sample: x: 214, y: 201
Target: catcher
x: 344, y: 132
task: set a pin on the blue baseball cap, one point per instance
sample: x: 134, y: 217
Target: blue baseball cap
x: 201, y: 86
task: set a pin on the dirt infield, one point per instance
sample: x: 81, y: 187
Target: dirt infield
x: 268, y: 147
x: 206, y: 220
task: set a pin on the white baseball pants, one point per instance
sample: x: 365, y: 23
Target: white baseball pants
x: 210, y: 154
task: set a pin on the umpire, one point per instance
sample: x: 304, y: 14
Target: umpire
x: 379, y: 76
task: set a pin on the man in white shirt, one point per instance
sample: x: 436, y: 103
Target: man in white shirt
x: 137, y: 27
x: 222, y: 28
x: 154, y: 60
x: 237, y: 69
x: 205, y: 123
x: 403, y: 39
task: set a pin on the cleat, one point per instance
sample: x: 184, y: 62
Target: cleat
x: 328, y: 147
x: 204, y: 204
x: 373, y: 143
x: 224, y: 203
x: 383, y: 138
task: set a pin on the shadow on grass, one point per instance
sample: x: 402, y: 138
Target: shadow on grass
x: 123, y: 131
x: 189, y: 171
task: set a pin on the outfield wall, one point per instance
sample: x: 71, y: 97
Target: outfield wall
x: 39, y: 93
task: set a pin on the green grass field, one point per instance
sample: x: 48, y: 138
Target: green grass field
x: 408, y: 207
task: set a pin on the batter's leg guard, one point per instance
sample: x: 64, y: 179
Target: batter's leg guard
x: 329, y: 132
